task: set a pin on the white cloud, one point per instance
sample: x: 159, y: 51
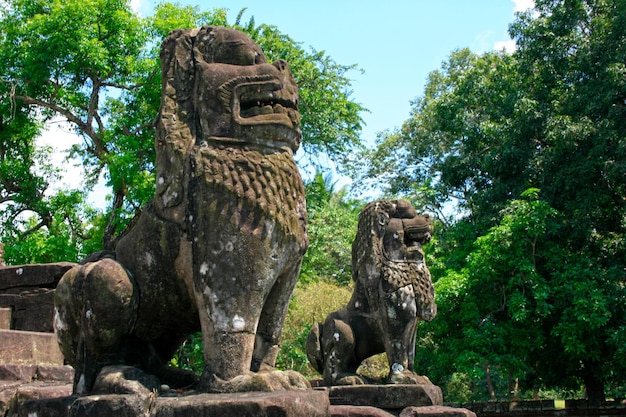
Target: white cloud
x: 509, y: 46
x: 523, y: 5
x: 140, y: 7
x: 518, y: 6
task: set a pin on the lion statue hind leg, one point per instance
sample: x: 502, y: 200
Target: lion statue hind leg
x: 338, y: 347
x: 95, y: 307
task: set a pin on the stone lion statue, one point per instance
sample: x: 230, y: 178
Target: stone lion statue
x: 219, y: 247
x: 393, y: 289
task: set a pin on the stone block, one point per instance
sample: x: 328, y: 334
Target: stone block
x: 20, y: 347
x: 110, y: 406
x: 296, y: 403
x: 5, y: 318
x: 33, y: 308
x: 7, y: 390
x: 64, y: 373
x: 15, y: 372
x: 35, y: 275
x: 42, y: 390
x: 534, y: 405
x: 29, y: 291
x: 394, y: 397
x: 48, y: 407
x: 15, y: 394
x: 576, y: 404
x: 436, y: 411
x: 357, y: 411
x: 27, y: 373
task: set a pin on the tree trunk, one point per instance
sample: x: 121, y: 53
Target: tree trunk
x: 109, y: 239
x: 594, y: 383
x: 492, y: 391
x: 513, y: 388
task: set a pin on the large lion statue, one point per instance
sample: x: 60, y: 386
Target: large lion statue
x: 219, y: 247
x: 393, y: 289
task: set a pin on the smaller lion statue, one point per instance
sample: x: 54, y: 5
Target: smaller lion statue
x: 393, y: 289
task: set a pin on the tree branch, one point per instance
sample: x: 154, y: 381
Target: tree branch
x: 45, y: 221
x: 129, y: 87
x: 99, y: 148
x: 93, y: 101
x: 118, y: 201
x: 136, y: 130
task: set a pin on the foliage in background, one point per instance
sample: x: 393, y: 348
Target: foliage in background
x: 37, y: 223
x: 67, y: 234
x: 333, y: 219
x: 190, y: 355
x: 530, y: 283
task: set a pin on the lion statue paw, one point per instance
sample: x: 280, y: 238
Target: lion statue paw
x: 265, y: 380
x: 407, y: 377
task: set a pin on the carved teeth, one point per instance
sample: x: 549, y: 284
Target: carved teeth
x: 261, y: 108
x: 413, y: 246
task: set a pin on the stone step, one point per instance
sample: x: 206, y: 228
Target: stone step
x: 29, y: 348
x: 5, y: 318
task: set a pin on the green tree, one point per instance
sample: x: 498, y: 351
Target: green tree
x: 333, y: 219
x: 494, y: 307
x: 488, y: 127
x: 65, y: 234
x: 95, y: 63
x: 37, y: 223
x: 60, y: 60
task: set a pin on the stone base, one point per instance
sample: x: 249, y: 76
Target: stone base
x: 23, y: 384
x: 307, y: 403
x: 29, y: 348
x: 388, y: 397
x: 46, y: 392
x: 436, y: 411
x: 429, y: 411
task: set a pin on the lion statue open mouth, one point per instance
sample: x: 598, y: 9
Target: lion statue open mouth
x: 219, y: 247
x: 393, y: 289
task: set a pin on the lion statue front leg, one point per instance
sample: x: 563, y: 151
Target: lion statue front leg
x: 400, y: 324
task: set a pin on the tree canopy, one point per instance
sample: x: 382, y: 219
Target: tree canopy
x: 530, y: 148
x: 95, y: 63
